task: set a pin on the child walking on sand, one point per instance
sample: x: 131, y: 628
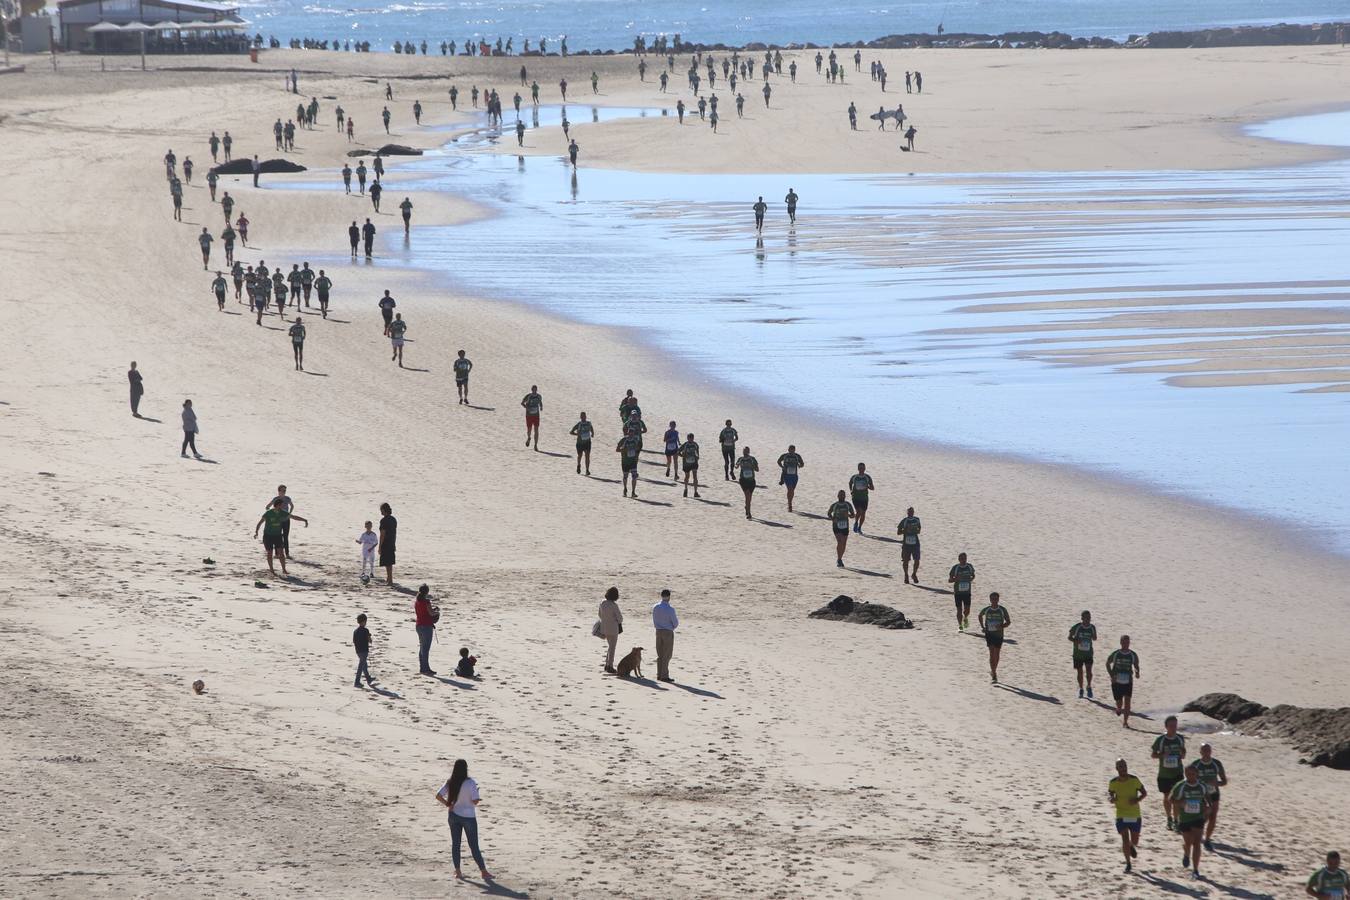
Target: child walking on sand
x: 368, y: 540
x: 361, y: 641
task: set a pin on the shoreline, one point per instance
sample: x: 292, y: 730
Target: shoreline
x: 1304, y: 539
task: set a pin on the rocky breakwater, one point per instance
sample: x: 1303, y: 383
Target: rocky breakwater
x: 1322, y: 734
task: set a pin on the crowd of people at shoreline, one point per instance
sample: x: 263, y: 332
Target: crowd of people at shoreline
x: 1190, y: 791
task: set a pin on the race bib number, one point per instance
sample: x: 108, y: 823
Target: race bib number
x: 1129, y: 821
x: 1192, y: 807
x: 1171, y: 761
x: 1085, y: 646
x: 963, y: 586
x: 1122, y: 678
x: 911, y: 539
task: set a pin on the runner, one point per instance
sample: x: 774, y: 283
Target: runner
x: 275, y: 519
x: 205, y: 240
x: 407, y: 208
x: 306, y: 282
x: 858, y: 487
x: 961, y: 576
x: 323, y: 284
x: 909, y: 529
x: 279, y: 293
x: 584, y: 431
x: 1082, y: 634
x: 1331, y: 881
x: 463, y: 366
x: 1123, y: 668
x: 627, y: 406
x: 237, y: 272
x: 354, y: 235
x: 1170, y: 751
x: 839, y: 513
x: 993, y: 620
x: 297, y: 333
x: 791, y: 201
x: 747, y: 466
x: 1213, y: 777
x: 397, y: 329
x: 630, y: 446
x: 672, y: 441
x: 1126, y: 792
x: 219, y: 286
x: 760, y: 208
x: 1191, y: 801
x: 788, y: 464
x: 387, y: 305
x: 689, y: 455
x: 534, y: 405
x: 227, y: 238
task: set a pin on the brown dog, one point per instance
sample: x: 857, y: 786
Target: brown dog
x: 631, y: 664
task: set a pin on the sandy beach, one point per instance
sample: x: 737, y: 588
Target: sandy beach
x: 791, y: 757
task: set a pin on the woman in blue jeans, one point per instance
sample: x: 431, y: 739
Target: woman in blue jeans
x: 460, y: 796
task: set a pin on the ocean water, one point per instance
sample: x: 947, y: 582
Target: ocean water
x: 613, y: 24
x: 961, y: 310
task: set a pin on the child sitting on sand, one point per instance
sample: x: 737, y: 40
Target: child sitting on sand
x: 466, y: 663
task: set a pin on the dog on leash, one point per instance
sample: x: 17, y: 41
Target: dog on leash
x: 631, y: 664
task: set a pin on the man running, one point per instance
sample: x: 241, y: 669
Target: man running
x: 227, y: 238
x: 760, y: 209
x: 1169, y: 750
x: 306, y: 281
x: 219, y: 286
x: 839, y: 513
x: 361, y: 177
x: 627, y: 406
x: 1122, y: 667
x: 572, y: 150
x: 858, y: 486
x: 274, y: 520
x: 463, y: 366
x: 584, y: 431
x: 994, y: 619
x: 1191, y: 802
x: 1213, y: 777
x: 407, y: 208
x: 1081, y: 635
x: 297, y: 333
x: 791, y: 200
x: 747, y: 466
x: 323, y: 284
x: 672, y: 447
x: 1330, y: 882
x: 1127, y: 792
x: 387, y: 305
x: 961, y: 577
x: 205, y: 240
x: 909, y: 529
x: 354, y: 235
x: 788, y: 464
x: 630, y: 448
x: 689, y: 456
x: 368, y: 232
x: 534, y: 406
x: 727, y: 438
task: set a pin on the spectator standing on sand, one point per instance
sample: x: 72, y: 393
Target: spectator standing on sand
x: 665, y: 622
x: 426, y: 626
x: 610, y: 625
x: 388, y: 538
x: 137, y: 389
x: 460, y: 796
x: 190, y: 430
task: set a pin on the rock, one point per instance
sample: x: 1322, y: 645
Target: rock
x: 245, y: 167
x: 387, y: 150
x: 1322, y: 733
x: 1228, y: 708
x: 845, y: 609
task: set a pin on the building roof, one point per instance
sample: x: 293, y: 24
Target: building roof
x: 204, y: 6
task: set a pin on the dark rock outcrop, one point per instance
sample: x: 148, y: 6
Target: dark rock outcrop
x: 1323, y: 734
x: 245, y: 167
x: 845, y: 609
x: 387, y: 150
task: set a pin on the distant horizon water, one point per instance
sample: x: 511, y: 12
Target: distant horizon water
x: 613, y: 24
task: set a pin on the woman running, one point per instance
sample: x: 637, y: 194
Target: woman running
x: 839, y: 513
x: 747, y: 466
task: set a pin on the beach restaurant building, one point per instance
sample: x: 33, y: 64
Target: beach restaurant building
x: 168, y: 26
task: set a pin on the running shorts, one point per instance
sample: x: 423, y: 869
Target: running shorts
x: 1167, y: 782
x: 273, y: 541
x: 962, y: 599
x: 993, y: 639
x: 532, y: 420
x: 1082, y: 659
x: 909, y: 551
x: 1122, y: 691
x: 583, y: 446
x: 1123, y: 825
x: 860, y: 501
x: 630, y: 465
x: 1184, y: 827
x: 790, y: 480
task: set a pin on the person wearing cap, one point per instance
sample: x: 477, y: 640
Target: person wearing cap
x: 665, y: 621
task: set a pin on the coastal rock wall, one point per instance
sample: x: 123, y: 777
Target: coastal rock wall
x: 1324, y: 734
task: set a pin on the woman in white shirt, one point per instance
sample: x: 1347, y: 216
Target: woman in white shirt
x: 460, y: 796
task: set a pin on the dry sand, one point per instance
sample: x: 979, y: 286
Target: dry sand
x: 793, y: 758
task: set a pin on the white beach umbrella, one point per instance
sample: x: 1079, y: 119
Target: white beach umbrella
x: 140, y: 28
